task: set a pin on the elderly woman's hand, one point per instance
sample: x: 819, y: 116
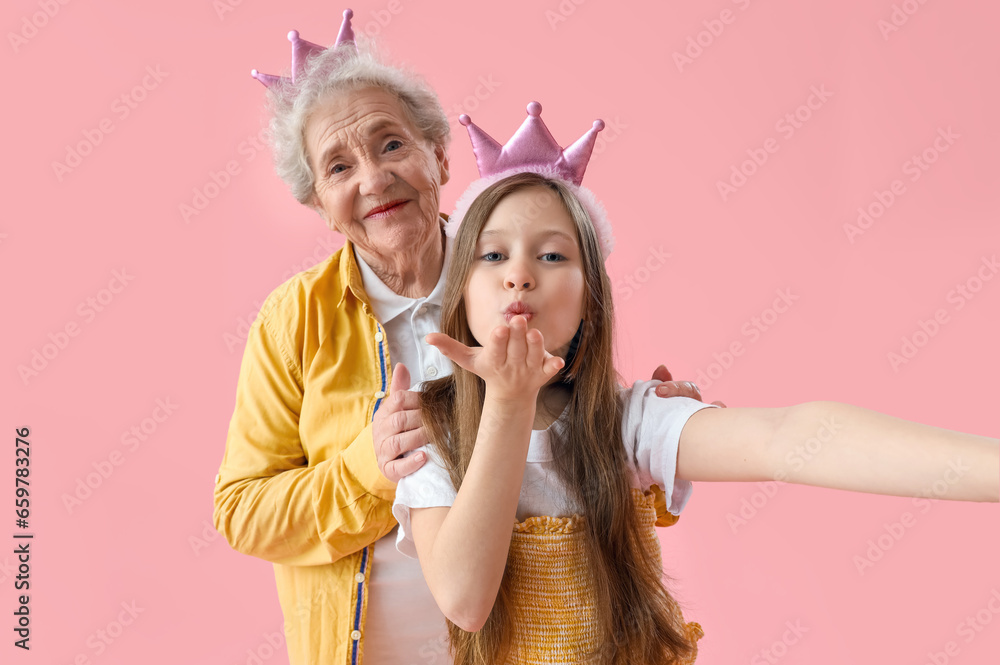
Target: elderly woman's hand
x: 397, y: 429
x: 671, y: 388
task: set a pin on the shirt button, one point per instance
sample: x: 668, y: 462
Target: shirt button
x: 379, y: 337
x: 355, y: 635
x: 360, y: 577
x: 432, y: 371
x: 379, y: 394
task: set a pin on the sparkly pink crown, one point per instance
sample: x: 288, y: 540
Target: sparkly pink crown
x: 532, y: 145
x: 533, y: 148
x: 302, y: 50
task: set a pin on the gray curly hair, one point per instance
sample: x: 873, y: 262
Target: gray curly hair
x: 343, y: 70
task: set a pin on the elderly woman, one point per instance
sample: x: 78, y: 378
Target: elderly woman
x: 315, y: 444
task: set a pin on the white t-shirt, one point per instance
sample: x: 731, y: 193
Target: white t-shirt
x: 651, y: 431
x: 403, y: 624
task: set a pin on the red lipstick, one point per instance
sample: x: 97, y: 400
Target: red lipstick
x: 386, y: 210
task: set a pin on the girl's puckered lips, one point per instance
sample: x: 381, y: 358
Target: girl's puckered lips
x: 515, y: 308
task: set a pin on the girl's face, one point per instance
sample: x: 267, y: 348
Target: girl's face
x: 528, y: 261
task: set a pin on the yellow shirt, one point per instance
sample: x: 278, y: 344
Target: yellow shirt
x: 299, y: 484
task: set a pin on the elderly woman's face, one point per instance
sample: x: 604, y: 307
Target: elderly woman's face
x: 378, y: 180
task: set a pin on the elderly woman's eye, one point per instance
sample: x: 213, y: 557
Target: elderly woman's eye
x: 337, y: 168
x: 393, y: 145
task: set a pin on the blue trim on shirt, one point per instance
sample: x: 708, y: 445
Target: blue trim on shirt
x: 381, y: 362
x: 364, y: 552
x: 357, y: 610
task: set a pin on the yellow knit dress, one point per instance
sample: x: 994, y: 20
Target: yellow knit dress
x: 553, y: 590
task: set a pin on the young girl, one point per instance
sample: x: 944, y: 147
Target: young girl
x: 534, y: 431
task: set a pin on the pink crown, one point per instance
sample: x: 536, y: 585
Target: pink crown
x: 532, y: 148
x: 303, y: 50
x: 532, y: 145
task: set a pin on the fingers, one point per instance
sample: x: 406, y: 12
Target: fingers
x: 403, y: 466
x: 390, y: 448
x: 452, y: 349
x: 661, y: 373
x: 536, y: 353
x: 679, y: 389
x: 539, y: 356
x: 496, y: 347
x: 398, y: 400
x: 517, y: 343
x: 400, y: 378
x: 403, y: 442
x: 553, y: 364
x: 405, y: 421
x: 718, y: 403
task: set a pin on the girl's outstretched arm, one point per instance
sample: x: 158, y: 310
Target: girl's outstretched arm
x: 839, y: 446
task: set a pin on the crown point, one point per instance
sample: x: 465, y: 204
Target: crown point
x: 598, y: 125
x: 293, y: 35
x: 348, y: 13
x: 464, y: 120
x: 534, y: 109
x: 253, y: 73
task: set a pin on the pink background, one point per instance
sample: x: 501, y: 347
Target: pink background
x: 174, y: 332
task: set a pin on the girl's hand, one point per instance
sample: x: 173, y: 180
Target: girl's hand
x: 514, y: 363
x: 671, y: 388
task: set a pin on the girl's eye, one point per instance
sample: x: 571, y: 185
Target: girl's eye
x: 491, y: 257
x: 555, y: 257
x: 393, y: 145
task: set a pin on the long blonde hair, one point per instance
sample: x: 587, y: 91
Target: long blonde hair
x: 633, y: 607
